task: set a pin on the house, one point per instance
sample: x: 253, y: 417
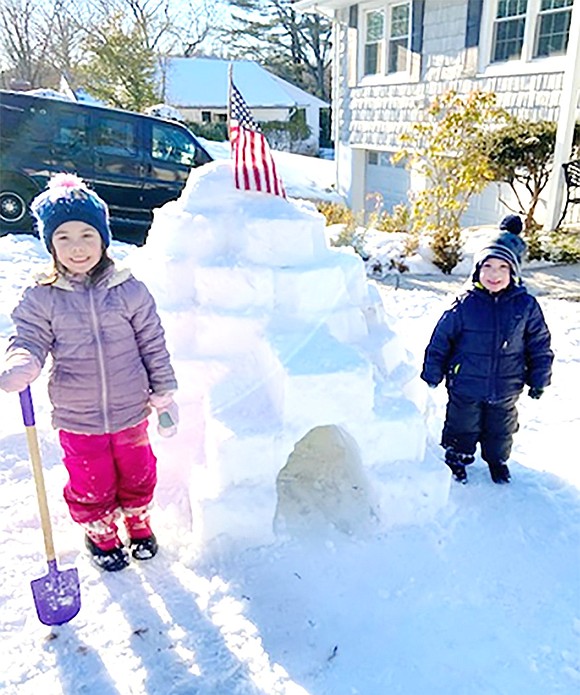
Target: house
x: 392, y: 57
x: 198, y: 88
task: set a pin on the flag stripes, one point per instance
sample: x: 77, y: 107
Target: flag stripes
x: 254, y: 168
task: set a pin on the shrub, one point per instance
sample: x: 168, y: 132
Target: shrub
x: 210, y: 131
x: 335, y: 213
x: 521, y: 154
x: 397, y: 221
x: 446, y: 149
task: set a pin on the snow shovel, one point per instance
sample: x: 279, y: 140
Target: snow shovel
x: 57, y: 595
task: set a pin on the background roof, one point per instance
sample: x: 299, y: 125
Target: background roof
x: 203, y: 82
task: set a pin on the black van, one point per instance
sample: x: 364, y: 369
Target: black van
x: 134, y: 162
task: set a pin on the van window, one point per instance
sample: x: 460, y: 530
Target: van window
x: 71, y: 129
x: 170, y: 144
x: 116, y: 136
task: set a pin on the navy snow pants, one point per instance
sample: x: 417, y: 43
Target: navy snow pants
x: 469, y: 421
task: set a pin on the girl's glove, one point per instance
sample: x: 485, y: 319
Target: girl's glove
x: 167, y: 413
x: 535, y: 392
x: 20, y: 369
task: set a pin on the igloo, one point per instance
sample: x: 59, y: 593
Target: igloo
x: 275, y: 334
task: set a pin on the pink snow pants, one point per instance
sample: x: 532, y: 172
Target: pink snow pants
x: 108, y: 472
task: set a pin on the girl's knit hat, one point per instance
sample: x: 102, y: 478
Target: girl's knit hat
x: 67, y: 198
x: 508, y: 246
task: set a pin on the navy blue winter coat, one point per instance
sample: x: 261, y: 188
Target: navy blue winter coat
x: 489, y: 346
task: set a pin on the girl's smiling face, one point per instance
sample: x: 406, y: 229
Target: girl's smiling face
x: 495, y: 274
x: 78, y: 246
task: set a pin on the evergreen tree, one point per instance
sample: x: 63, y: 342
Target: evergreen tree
x: 120, y: 67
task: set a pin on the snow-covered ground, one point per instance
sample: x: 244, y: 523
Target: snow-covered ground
x: 481, y: 599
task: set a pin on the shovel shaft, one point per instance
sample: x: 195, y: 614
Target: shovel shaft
x: 32, y: 440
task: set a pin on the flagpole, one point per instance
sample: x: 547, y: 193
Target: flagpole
x: 230, y: 81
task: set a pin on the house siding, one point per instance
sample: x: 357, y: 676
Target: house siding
x: 376, y: 115
x: 372, y: 117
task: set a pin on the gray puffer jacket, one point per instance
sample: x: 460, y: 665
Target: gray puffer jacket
x: 107, y: 345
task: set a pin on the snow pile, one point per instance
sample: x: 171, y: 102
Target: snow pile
x: 170, y: 113
x: 275, y: 333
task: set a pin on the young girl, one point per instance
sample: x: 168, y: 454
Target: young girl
x: 110, y: 366
x: 490, y: 344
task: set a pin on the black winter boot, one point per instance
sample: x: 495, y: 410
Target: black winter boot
x: 500, y: 473
x: 109, y: 560
x: 457, y: 462
x: 144, y: 548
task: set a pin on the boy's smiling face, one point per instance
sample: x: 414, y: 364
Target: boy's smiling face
x: 495, y: 274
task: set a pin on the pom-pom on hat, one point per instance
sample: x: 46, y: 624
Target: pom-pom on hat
x: 508, y: 246
x: 67, y: 198
x: 511, y: 223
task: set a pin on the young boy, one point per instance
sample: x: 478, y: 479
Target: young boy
x: 490, y: 344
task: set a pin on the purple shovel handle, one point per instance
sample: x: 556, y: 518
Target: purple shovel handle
x: 27, y: 409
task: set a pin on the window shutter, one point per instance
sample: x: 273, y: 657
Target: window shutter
x: 353, y: 17
x: 417, y: 14
x: 474, y: 9
x: 352, y: 46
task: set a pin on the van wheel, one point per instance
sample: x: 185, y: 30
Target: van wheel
x: 14, y: 209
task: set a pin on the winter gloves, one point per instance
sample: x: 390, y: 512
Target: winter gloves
x: 20, y: 369
x: 535, y: 392
x: 167, y: 413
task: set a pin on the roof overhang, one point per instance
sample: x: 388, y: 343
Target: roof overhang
x: 323, y: 7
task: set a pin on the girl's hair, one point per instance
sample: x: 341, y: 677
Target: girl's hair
x: 57, y: 269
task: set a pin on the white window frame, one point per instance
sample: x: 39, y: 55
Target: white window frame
x: 383, y: 76
x: 526, y: 63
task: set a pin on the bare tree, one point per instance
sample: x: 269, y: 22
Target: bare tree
x: 25, y: 40
x: 295, y: 46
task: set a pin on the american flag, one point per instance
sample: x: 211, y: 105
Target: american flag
x: 254, y: 168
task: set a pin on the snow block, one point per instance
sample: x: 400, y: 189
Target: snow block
x: 283, y: 243
x: 213, y: 333
x: 233, y: 288
x: 398, y: 436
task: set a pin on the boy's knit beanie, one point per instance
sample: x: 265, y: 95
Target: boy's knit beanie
x: 66, y: 198
x: 508, y: 246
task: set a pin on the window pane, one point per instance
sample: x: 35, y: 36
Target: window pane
x: 508, y: 29
x: 397, y: 55
x: 398, y: 38
x: 71, y: 130
x: 171, y: 145
x: 553, y: 29
x: 116, y: 137
x: 400, y: 21
x: 371, y: 58
x: 375, y: 26
x: 511, y: 8
x: 555, y: 4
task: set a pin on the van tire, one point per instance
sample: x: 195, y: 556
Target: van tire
x: 15, y: 198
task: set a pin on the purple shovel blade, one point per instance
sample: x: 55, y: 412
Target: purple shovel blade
x: 57, y: 595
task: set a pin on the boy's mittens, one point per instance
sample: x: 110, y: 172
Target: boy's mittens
x: 535, y: 392
x: 20, y: 370
x: 167, y: 414
x: 432, y: 385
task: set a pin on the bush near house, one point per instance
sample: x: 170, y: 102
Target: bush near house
x: 446, y: 149
x: 521, y: 154
x: 209, y: 131
x: 281, y: 135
